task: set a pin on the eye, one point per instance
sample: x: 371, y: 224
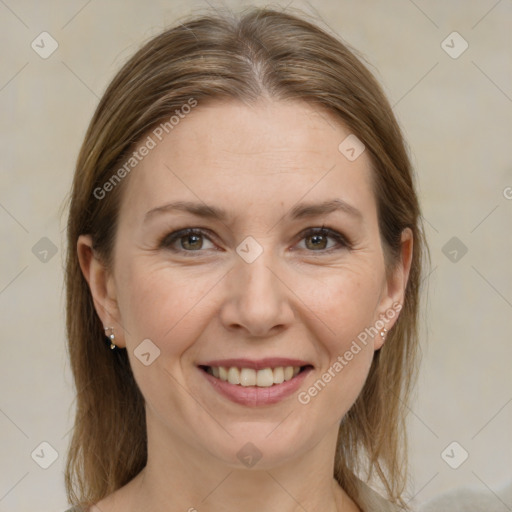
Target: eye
x: 187, y: 240
x: 190, y: 240
x: 317, y: 239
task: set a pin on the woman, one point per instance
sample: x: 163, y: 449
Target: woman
x: 243, y: 272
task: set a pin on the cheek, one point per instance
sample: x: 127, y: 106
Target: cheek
x: 347, y: 354
x: 346, y: 303
x: 169, y: 309
x: 162, y: 304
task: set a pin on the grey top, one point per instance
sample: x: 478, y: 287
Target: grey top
x: 456, y: 500
x: 465, y: 499
x: 371, y: 501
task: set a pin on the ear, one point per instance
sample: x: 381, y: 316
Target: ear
x: 102, y: 285
x: 394, y: 292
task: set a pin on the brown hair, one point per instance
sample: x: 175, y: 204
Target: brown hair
x: 260, y: 52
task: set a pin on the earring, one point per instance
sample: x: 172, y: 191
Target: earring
x: 110, y: 336
x: 383, y: 333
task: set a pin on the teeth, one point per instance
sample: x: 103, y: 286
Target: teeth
x: 278, y: 375
x: 250, y: 377
x: 234, y: 376
x: 247, y: 376
x: 265, y: 378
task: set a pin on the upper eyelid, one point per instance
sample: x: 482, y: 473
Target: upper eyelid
x: 330, y: 232
x: 179, y: 233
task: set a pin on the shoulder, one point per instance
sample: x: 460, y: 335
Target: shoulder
x: 468, y: 500
x: 372, y: 500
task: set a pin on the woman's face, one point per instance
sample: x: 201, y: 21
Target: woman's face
x: 256, y: 286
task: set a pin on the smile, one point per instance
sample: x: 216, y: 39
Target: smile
x: 255, y: 382
x: 263, y: 378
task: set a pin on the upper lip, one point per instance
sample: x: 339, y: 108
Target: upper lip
x: 256, y: 364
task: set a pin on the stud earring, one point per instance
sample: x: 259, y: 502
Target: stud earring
x: 383, y: 333
x: 110, y: 336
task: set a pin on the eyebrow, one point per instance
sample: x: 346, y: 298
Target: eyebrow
x: 300, y: 211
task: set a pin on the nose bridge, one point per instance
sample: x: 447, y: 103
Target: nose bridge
x: 257, y: 299
x: 256, y: 284
x: 257, y: 278
x: 256, y: 258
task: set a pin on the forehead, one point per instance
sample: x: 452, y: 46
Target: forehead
x: 231, y: 154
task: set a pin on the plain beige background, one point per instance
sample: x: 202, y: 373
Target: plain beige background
x: 457, y: 116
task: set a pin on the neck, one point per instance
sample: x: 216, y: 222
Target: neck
x: 182, y: 477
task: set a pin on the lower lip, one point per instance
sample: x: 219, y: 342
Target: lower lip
x: 253, y: 395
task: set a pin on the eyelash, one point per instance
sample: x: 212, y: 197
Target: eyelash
x: 168, y: 240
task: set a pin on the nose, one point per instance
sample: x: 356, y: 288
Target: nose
x: 257, y: 301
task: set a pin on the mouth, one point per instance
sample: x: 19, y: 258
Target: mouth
x: 245, y: 376
x: 255, y: 382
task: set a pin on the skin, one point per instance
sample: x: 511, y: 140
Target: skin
x: 302, y: 297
